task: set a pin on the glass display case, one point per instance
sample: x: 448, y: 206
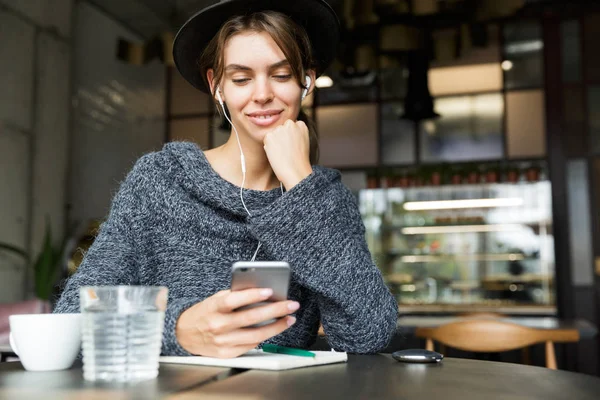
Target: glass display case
x: 464, y: 248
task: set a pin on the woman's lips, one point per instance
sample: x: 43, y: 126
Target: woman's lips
x: 264, y: 120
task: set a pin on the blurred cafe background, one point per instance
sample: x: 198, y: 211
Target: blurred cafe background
x: 469, y: 131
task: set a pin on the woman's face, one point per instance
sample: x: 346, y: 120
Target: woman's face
x: 257, y: 85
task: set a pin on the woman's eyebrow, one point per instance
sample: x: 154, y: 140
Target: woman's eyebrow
x: 239, y: 67
x: 282, y: 63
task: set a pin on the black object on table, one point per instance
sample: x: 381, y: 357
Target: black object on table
x: 5, y: 355
x: 417, y: 356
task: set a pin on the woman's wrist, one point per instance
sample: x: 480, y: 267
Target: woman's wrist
x: 185, y: 329
x: 297, y: 177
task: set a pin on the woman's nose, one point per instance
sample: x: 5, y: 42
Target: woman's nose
x: 263, y: 93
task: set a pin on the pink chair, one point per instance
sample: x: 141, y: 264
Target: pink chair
x: 35, y: 306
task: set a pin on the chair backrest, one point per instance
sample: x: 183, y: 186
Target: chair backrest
x: 483, y: 335
x: 492, y: 335
x: 482, y: 314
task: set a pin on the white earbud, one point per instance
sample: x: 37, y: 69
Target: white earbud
x: 305, y: 91
x: 218, y: 91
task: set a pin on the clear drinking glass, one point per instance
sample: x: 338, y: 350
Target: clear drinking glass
x: 122, y: 330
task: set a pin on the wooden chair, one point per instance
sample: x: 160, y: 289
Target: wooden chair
x: 487, y: 315
x: 482, y: 314
x: 494, y: 335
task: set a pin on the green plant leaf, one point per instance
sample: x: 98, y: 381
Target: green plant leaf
x: 48, y: 264
x: 56, y: 267
x: 43, y: 266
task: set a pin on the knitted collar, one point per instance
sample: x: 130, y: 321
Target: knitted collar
x: 200, y: 179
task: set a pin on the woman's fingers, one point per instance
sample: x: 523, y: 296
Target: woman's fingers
x: 254, y: 336
x: 221, y: 323
x: 213, y: 328
x: 262, y: 313
x: 228, y: 301
x: 302, y: 126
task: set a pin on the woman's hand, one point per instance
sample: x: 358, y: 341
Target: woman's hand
x: 212, y: 327
x: 287, y: 148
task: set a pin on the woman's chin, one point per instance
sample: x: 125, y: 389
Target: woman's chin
x: 258, y: 133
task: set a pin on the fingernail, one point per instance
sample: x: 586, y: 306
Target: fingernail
x: 266, y: 292
x: 291, y: 321
x: 294, y: 306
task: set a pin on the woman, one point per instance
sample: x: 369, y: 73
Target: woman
x: 183, y: 216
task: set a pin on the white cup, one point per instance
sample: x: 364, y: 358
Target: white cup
x: 46, y: 342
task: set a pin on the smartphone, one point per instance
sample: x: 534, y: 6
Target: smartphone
x: 261, y: 274
x: 417, y: 356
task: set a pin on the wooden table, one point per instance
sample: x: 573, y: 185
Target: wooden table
x: 408, y: 324
x: 363, y: 377
x: 16, y: 383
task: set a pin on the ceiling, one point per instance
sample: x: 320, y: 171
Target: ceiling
x: 149, y: 18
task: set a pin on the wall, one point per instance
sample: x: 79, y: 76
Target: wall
x: 35, y: 74
x: 73, y: 120
x: 119, y: 113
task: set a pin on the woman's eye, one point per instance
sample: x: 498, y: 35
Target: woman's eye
x: 283, y: 77
x: 243, y: 80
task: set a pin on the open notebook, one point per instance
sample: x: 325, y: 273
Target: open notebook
x: 257, y: 359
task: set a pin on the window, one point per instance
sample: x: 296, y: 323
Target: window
x: 397, y: 136
x: 348, y: 135
x: 470, y: 128
x: 523, y: 61
x: 525, y: 124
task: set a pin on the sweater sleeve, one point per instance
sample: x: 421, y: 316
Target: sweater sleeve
x: 317, y: 228
x: 170, y: 344
x: 113, y: 257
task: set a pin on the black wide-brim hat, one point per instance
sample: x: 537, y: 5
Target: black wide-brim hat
x: 316, y: 16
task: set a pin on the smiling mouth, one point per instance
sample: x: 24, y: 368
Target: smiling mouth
x: 265, y: 119
x: 264, y: 115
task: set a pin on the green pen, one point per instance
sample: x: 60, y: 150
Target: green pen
x: 273, y: 348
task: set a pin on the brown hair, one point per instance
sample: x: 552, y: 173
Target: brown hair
x: 291, y: 38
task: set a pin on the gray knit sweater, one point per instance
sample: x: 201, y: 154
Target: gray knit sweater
x: 176, y: 222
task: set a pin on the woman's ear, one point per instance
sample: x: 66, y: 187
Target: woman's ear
x: 210, y: 76
x: 313, y: 79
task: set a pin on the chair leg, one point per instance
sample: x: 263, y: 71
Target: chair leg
x: 429, y: 344
x: 525, y: 356
x: 442, y: 349
x: 550, y: 356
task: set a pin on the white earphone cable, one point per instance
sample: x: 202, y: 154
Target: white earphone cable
x: 259, y: 243
x: 243, y: 162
